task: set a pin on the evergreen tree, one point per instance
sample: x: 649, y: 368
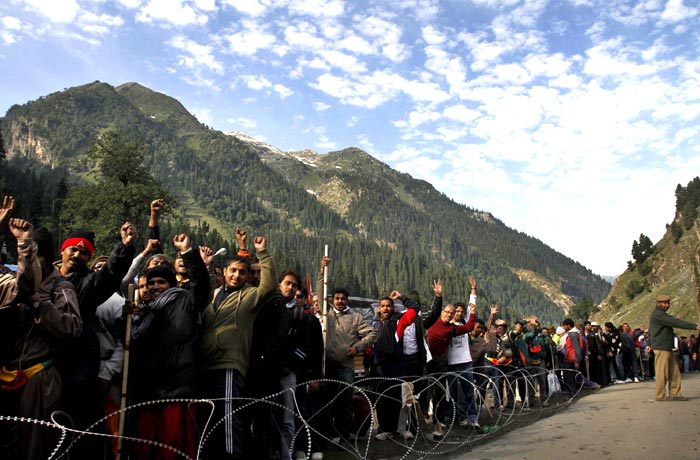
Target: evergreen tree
x: 642, y: 250
x: 123, y: 193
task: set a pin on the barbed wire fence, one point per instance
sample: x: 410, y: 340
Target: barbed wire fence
x: 431, y: 390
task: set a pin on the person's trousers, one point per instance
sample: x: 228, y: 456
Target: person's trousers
x: 462, y: 391
x: 226, y: 386
x: 667, y: 373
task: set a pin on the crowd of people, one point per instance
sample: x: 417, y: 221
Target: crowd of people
x: 240, y: 360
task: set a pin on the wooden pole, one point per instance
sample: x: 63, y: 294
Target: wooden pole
x: 324, y: 311
x: 133, y: 298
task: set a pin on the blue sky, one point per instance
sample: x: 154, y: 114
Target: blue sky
x: 572, y: 121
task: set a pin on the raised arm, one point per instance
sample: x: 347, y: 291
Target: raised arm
x: 436, y: 309
x: 196, y: 270
x: 268, y: 273
x: 153, y: 230
x: 103, y: 283
x: 152, y: 247
x: 28, y: 267
x: 241, y: 241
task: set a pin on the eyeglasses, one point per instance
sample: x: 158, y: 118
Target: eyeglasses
x: 299, y: 296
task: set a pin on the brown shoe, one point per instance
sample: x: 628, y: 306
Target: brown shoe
x: 678, y: 398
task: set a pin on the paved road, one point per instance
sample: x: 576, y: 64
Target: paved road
x: 620, y: 422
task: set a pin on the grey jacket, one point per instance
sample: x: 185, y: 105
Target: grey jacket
x: 661, y: 326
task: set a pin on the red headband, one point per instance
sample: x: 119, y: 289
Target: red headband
x: 80, y: 243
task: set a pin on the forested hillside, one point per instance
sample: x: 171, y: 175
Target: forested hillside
x: 670, y: 266
x: 385, y: 229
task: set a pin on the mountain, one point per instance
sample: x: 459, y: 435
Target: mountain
x: 385, y: 229
x: 672, y: 267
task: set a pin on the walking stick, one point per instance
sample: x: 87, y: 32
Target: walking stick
x: 324, y: 312
x: 133, y: 298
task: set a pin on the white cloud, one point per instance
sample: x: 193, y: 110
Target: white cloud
x: 321, y: 106
x: 196, y: 55
x: 175, y: 12
x: 432, y: 36
x: 461, y: 113
x: 355, y: 44
x: 347, y: 62
x: 256, y: 82
x: 324, y: 143
x: 372, y: 90
x: 10, y: 23
x: 205, y: 5
x: 252, y: 38
x: 203, y: 115
x: 364, y: 141
x: 98, y: 24
x: 384, y: 34
x: 317, y: 8
x: 130, y: 3
x: 606, y: 59
x: 9, y: 28
x: 61, y: 11
x: 423, y: 10
x: 249, y: 7
x: 243, y: 122
x: 676, y: 11
x: 283, y: 91
x: 303, y: 35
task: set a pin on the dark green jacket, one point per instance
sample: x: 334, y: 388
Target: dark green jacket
x: 228, y: 330
x: 661, y: 326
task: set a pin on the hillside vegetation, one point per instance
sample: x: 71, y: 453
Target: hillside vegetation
x: 672, y: 267
x: 385, y: 229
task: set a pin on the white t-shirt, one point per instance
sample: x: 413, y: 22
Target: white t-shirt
x: 459, y: 352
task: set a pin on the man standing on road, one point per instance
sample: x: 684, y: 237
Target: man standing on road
x: 661, y: 326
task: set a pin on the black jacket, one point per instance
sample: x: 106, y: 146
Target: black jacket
x: 164, y: 361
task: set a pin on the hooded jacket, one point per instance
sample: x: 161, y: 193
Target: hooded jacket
x: 228, y: 329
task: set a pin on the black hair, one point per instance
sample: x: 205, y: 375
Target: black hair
x: 568, y: 322
x: 341, y: 291
x: 292, y: 272
x: 240, y: 259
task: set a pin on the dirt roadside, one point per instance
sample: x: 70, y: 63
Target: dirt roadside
x: 618, y: 422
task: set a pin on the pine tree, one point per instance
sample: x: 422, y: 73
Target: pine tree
x: 123, y: 191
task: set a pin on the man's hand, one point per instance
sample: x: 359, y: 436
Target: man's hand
x: 207, y: 255
x: 151, y: 246
x: 130, y: 308
x: 20, y: 228
x: 472, y: 309
x: 260, y: 243
x: 241, y: 237
x: 472, y: 282
x: 128, y: 234
x: 494, y: 309
x: 181, y: 242
x: 437, y: 287
x: 8, y: 204
x: 395, y: 295
x: 352, y: 351
x: 325, y: 262
x: 157, y: 206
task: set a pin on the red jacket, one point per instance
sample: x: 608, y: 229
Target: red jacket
x: 440, y: 334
